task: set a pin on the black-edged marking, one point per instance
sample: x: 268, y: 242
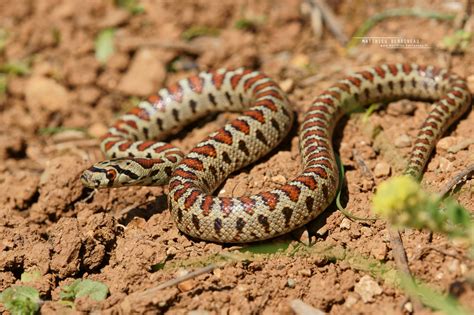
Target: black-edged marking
x: 145, y: 132
x: 309, y: 204
x: 168, y: 170
x: 275, y: 124
x: 175, y: 113
x: 193, y: 105
x: 159, y: 123
x: 263, y: 220
x: 195, y: 221
x: 213, y: 171
x: 212, y: 99
x: 260, y: 136
x: 218, y: 225
x: 287, y: 213
x: 243, y: 147
x: 229, y: 98
x: 240, y: 224
x: 226, y: 157
x: 380, y: 88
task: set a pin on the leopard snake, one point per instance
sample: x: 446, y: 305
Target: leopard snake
x: 265, y: 120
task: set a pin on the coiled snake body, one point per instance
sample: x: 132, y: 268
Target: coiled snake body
x: 264, y: 122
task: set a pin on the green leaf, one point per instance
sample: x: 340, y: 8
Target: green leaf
x: 21, y: 300
x: 104, y: 45
x: 21, y: 67
x: 131, y: 6
x: 93, y: 289
x: 31, y: 276
x: 266, y: 248
x: 3, y: 38
x: 196, y: 31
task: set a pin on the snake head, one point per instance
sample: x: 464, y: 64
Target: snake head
x: 112, y: 173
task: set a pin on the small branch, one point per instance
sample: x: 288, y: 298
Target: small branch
x: 183, y: 278
x: 401, y: 260
x: 461, y: 177
x: 330, y: 19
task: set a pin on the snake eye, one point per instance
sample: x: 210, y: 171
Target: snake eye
x: 111, y: 174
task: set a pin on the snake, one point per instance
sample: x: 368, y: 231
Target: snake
x: 138, y: 156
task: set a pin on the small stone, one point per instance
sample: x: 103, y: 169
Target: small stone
x: 305, y: 272
x: 461, y: 145
x: 97, y: 130
x: 88, y: 94
x: 144, y: 75
x: 345, y: 224
x: 199, y: 312
x: 45, y: 93
x: 402, y: 107
x: 323, y: 230
x: 301, y: 308
x: 186, y: 285
x: 382, y: 169
x: 350, y: 301
x: 366, y: 231
x: 279, y: 179
x: 291, y: 283
x: 403, y: 141
x: 445, y: 143
x: 445, y: 165
x: 454, y: 266
x: 300, y: 61
x: 463, y: 268
x: 408, y: 307
x: 367, y: 288
x: 379, y: 251
x: 287, y: 85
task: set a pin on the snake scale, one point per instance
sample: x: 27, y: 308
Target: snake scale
x: 137, y: 158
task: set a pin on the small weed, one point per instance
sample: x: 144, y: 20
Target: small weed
x: 104, y: 45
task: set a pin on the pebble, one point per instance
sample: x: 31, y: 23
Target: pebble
x: 445, y: 165
x: 199, y: 312
x: 145, y: 73
x: 367, y: 288
x: 402, y: 107
x: 301, y: 308
x: 408, y: 307
x: 300, y: 61
x: 445, y: 143
x: 382, y: 169
x: 402, y: 141
x: 379, y: 251
x: 45, y: 93
x: 345, y: 224
x: 97, y: 130
x: 186, y: 285
x: 350, y: 301
x: 291, y: 283
x: 287, y: 85
x: 454, y: 266
x: 305, y: 272
x: 366, y: 231
x: 279, y: 179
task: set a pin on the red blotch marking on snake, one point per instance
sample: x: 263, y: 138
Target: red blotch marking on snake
x: 241, y: 126
x: 292, y: 191
x: 196, y: 83
x: 223, y: 136
x: 193, y: 163
x: 207, y: 150
x: 255, y: 114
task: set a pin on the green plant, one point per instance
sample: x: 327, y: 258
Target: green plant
x: 84, y: 287
x: 21, y: 300
x: 402, y: 202
x: 104, y: 44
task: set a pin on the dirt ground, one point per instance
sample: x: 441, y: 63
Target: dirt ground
x: 52, y: 113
